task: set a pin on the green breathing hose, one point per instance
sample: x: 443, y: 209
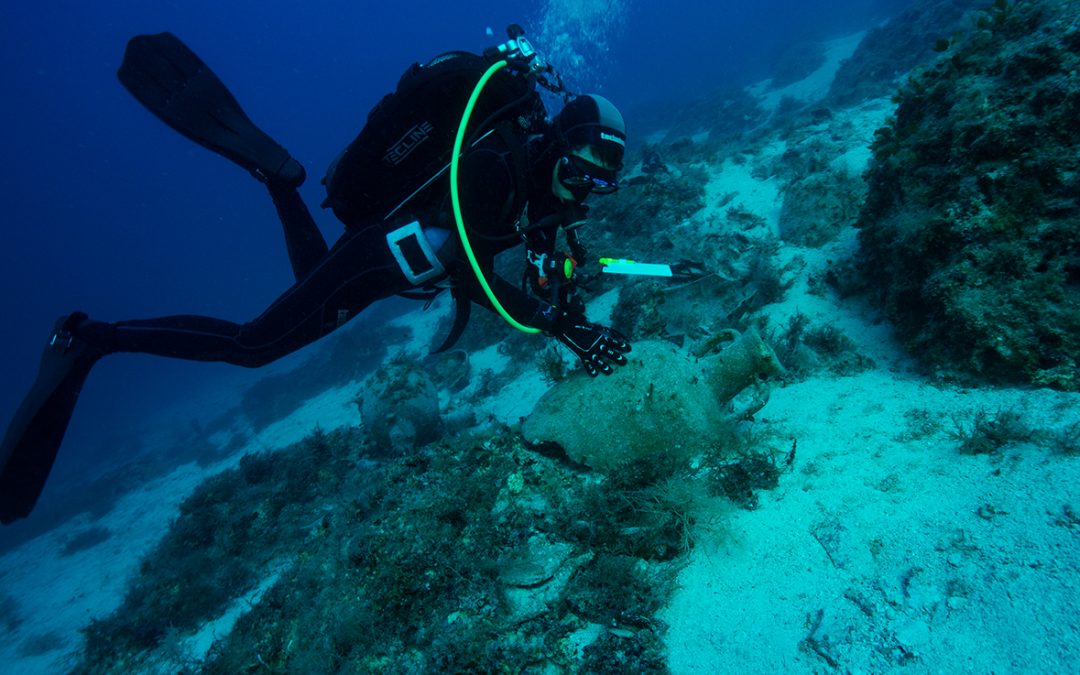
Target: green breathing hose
x: 456, y: 201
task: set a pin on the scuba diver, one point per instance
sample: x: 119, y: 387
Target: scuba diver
x: 458, y: 164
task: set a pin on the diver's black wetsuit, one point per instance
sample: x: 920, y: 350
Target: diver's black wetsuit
x: 333, y: 285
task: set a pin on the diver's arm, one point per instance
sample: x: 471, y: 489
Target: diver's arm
x: 597, y: 346
x: 486, y: 191
x: 524, y: 307
x: 487, y: 204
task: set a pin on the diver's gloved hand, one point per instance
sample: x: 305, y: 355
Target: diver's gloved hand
x: 594, y: 344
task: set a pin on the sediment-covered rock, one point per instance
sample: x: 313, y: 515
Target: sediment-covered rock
x: 663, y: 401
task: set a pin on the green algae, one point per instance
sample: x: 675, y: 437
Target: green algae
x: 970, y: 234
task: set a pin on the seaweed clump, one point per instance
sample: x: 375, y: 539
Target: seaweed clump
x: 464, y: 555
x: 220, y: 546
x: 465, y: 558
x: 818, y: 206
x: 742, y: 477
x: 970, y: 234
x: 990, y: 433
x: 806, y: 349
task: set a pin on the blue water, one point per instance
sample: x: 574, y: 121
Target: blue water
x: 109, y: 211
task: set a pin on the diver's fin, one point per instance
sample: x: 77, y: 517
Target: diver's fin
x: 462, y: 311
x: 29, y: 448
x: 174, y: 84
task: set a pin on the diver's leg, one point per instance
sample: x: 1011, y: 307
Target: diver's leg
x: 174, y: 84
x: 358, y: 271
x: 304, y: 241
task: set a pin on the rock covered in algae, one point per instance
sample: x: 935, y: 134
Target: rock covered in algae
x: 969, y: 234
x: 664, y: 400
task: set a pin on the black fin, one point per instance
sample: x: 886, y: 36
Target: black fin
x: 29, y: 448
x: 174, y: 84
x: 462, y: 311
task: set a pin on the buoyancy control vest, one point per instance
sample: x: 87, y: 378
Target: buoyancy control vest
x: 402, y: 163
x: 401, y: 158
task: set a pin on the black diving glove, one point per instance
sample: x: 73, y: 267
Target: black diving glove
x: 594, y: 344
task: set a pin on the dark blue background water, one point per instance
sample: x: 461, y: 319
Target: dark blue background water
x: 108, y: 210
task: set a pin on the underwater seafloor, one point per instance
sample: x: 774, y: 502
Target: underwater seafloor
x: 851, y: 444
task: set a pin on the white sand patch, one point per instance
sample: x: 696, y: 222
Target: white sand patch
x: 332, y: 409
x: 733, y: 184
x: 861, y: 123
x: 489, y: 358
x: 60, y: 594
x: 761, y: 197
x: 517, y: 399
x: 601, y: 308
x: 900, y: 542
